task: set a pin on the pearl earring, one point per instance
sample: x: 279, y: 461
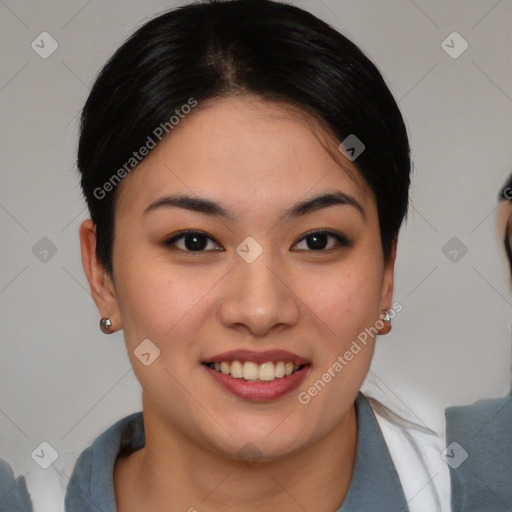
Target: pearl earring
x: 105, y: 325
x: 385, y: 321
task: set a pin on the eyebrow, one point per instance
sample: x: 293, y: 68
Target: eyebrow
x: 209, y: 207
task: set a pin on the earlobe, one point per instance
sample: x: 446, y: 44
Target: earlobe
x: 387, y: 290
x: 384, y: 323
x: 102, y: 288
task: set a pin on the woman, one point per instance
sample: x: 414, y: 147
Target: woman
x: 479, y: 436
x: 246, y: 170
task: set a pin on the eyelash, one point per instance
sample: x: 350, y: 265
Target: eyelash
x: 341, y: 240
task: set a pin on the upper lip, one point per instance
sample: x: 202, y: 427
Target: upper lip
x: 258, y: 357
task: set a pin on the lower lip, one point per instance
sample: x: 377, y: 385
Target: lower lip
x: 260, y: 391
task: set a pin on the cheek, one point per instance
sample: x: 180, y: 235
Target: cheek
x: 161, y: 305
x: 153, y: 298
x: 168, y: 304
x: 346, y: 298
x: 345, y: 305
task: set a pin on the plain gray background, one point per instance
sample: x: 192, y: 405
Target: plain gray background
x: 64, y: 382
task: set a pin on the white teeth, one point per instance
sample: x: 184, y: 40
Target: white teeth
x: 249, y: 370
x: 237, y: 370
x: 266, y: 371
x: 280, y: 372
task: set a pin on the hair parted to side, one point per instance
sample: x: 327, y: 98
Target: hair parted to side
x: 219, y: 48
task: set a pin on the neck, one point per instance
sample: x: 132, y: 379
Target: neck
x: 172, y: 469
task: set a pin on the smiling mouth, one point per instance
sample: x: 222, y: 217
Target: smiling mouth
x: 250, y: 371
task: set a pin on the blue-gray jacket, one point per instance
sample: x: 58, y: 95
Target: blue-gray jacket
x: 375, y: 485
x: 483, y: 482
x: 14, y: 496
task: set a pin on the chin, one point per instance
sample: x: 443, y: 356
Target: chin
x: 251, y: 448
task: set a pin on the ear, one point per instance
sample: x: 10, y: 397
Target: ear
x: 388, y: 278
x: 102, y: 288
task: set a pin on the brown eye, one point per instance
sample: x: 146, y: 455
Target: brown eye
x: 323, y: 241
x: 191, y: 241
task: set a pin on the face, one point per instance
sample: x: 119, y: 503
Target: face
x: 503, y: 221
x: 251, y: 269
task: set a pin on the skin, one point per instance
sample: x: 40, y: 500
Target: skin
x: 503, y: 221
x: 503, y: 224
x: 256, y: 158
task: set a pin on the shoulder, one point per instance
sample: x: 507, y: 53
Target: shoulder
x: 92, y: 477
x: 494, y: 414
x: 14, y: 496
x: 484, y: 427
x: 415, y: 450
x: 479, y: 437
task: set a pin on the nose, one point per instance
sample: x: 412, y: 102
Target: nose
x: 258, y: 298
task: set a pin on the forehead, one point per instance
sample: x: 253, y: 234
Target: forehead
x: 257, y: 152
